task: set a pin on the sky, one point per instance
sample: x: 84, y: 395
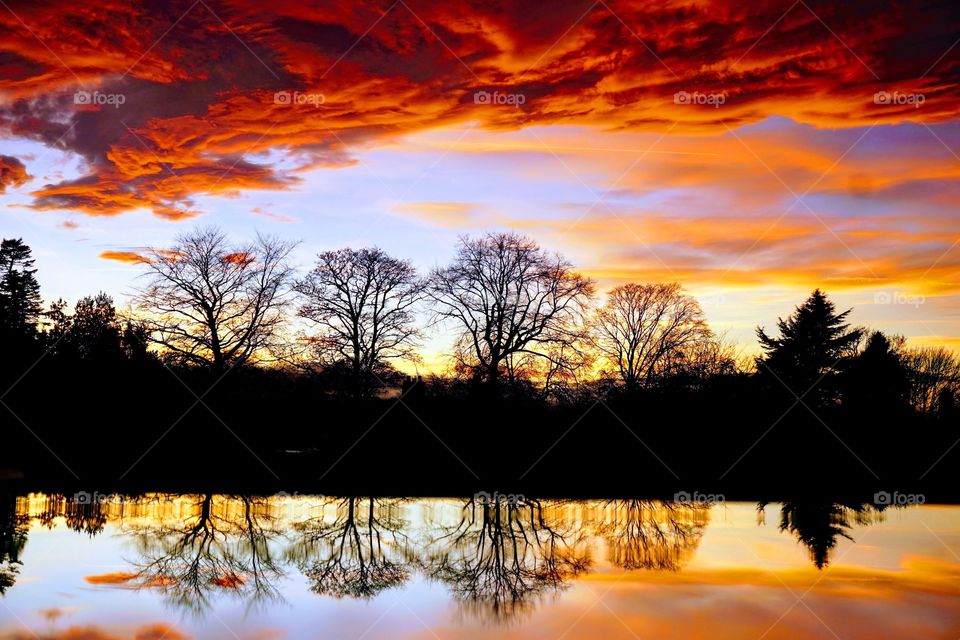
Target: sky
x: 749, y: 151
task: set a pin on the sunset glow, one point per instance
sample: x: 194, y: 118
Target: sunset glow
x: 749, y: 151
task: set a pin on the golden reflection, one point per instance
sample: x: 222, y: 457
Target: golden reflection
x: 820, y: 525
x: 501, y: 556
x: 499, y: 560
x: 358, y: 552
x: 224, y: 546
x: 644, y: 534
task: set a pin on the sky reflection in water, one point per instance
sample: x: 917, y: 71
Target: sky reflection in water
x: 212, y: 566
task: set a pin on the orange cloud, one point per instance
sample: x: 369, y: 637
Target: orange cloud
x: 12, y: 173
x: 125, y: 256
x: 150, y: 632
x: 168, y: 114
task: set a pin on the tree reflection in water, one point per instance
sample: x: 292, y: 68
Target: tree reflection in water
x: 820, y: 525
x: 501, y: 557
x: 648, y: 534
x: 224, y: 547
x: 13, y: 539
x: 359, y: 553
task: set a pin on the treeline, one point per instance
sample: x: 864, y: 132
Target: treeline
x: 524, y: 323
x: 231, y: 367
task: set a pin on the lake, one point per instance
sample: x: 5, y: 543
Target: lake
x: 169, y: 567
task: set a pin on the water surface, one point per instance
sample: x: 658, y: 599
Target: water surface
x: 215, y: 566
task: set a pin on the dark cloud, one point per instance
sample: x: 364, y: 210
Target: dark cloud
x: 198, y: 88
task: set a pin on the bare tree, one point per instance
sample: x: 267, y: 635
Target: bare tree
x: 643, y: 327
x: 214, y: 304
x: 361, y: 302
x: 934, y: 377
x: 507, y: 297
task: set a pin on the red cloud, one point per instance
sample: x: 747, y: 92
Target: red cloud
x: 184, y: 99
x: 12, y: 173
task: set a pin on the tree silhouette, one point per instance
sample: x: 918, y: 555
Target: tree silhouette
x: 877, y: 380
x: 95, y: 332
x: 643, y: 328
x: 360, y: 553
x: 819, y: 525
x: 223, y: 548
x: 214, y: 304
x: 507, y: 296
x: 813, y: 343
x: 502, y: 555
x: 13, y: 539
x: 20, y: 305
x: 644, y: 534
x: 361, y: 302
x: 934, y: 376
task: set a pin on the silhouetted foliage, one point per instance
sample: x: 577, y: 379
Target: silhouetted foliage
x: 877, y: 379
x: 220, y: 549
x: 215, y: 304
x: 507, y: 297
x: 642, y: 330
x: 20, y: 303
x: 644, y: 534
x: 13, y: 539
x: 809, y: 353
x: 934, y: 378
x: 503, y: 555
x: 819, y: 525
x: 361, y: 303
x: 361, y: 552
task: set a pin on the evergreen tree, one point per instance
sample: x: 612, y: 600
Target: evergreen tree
x: 19, y: 291
x: 877, y: 380
x: 813, y: 346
